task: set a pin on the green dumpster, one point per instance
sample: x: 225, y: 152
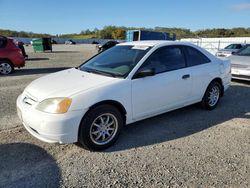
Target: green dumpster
x: 42, y: 44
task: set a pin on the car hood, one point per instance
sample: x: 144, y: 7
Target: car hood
x: 65, y: 83
x: 240, y: 60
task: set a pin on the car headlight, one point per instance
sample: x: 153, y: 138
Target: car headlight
x: 55, y: 105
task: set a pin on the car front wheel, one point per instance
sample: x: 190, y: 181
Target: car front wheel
x: 100, y: 127
x: 212, y: 96
x: 6, y: 67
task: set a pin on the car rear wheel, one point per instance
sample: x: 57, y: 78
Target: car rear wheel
x: 100, y: 128
x: 6, y: 67
x: 212, y: 96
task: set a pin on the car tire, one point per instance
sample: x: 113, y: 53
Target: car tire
x: 212, y: 96
x: 6, y: 67
x: 100, y: 128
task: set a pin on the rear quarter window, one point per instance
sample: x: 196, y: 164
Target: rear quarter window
x: 3, y: 42
x: 195, y: 57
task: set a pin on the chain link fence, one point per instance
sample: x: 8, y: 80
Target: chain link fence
x: 214, y: 44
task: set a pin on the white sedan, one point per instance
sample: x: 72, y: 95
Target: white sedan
x: 129, y: 82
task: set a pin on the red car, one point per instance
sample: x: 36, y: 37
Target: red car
x: 10, y: 56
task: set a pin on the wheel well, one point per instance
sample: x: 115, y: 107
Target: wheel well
x: 219, y: 80
x: 4, y: 59
x: 116, y: 104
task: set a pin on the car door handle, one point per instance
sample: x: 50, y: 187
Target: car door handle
x: 186, y: 76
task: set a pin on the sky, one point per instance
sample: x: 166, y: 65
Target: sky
x: 73, y: 16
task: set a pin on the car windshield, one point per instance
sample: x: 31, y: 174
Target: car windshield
x: 244, y: 51
x: 234, y: 46
x: 117, y: 61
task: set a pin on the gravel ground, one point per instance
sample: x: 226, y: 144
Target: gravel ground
x: 188, y: 147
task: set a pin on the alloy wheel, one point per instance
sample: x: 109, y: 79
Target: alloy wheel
x: 214, y: 96
x: 103, y: 129
x: 5, y: 68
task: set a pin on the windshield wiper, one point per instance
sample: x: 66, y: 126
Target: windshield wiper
x: 101, y: 72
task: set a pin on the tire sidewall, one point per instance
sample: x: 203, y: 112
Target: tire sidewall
x: 84, y: 130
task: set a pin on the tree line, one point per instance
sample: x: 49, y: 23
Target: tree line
x: 11, y: 33
x: 115, y: 32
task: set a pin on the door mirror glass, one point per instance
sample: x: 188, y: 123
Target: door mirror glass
x: 145, y: 73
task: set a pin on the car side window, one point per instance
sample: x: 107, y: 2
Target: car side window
x: 2, y: 42
x: 195, y: 57
x: 238, y: 46
x: 245, y: 51
x: 165, y: 59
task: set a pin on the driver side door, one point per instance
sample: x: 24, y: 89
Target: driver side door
x: 169, y: 88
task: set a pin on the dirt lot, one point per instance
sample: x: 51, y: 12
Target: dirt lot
x: 189, y: 147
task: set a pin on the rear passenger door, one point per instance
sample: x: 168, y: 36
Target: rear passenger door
x: 169, y: 88
x: 201, y: 68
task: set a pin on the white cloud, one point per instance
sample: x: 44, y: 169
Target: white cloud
x: 241, y: 7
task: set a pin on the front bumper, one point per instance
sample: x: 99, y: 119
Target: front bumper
x: 226, y: 81
x: 222, y: 54
x: 241, y: 74
x: 52, y: 128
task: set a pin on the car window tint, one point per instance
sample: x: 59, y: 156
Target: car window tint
x: 119, y: 60
x: 2, y: 42
x: 245, y: 51
x: 165, y: 59
x: 238, y: 46
x: 195, y: 57
x: 229, y: 46
x: 234, y: 46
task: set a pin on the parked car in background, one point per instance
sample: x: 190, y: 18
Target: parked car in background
x: 10, y: 56
x: 70, y: 42
x: 132, y: 81
x: 107, y: 45
x: 53, y: 41
x: 95, y: 42
x: 240, y: 63
x: 229, y: 50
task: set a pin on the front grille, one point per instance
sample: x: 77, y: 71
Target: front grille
x: 221, y: 55
x: 240, y: 66
x: 29, y: 100
x: 241, y: 76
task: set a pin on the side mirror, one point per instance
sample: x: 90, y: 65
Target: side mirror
x: 145, y: 73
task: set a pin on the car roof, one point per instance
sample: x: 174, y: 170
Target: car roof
x: 160, y: 43
x: 154, y: 43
